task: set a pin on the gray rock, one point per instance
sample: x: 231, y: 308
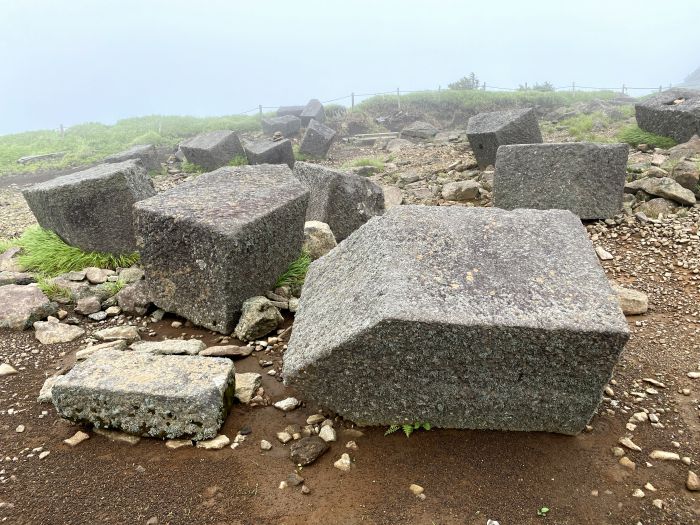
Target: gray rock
x: 461, y: 317
x: 687, y: 174
x: 258, y: 318
x: 462, y: 191
x: 312, y: 111
x: 686, y: 149
x: 212, y: 150
x: 586, y: 179
x: 307, y: 450
x: 632, y: 302
x: 159, y: 396
x: 317, y: 140
x: 170, y: 347
x: 115, y: 333
x: 318, y: 239
x: 392, y: 196
x: 487, y: 131
x: 16, y: 278
x: 266, y: 151
x: 91, y: 209
x: 98, y: 316
x: 287, y: 125
x: 419, y: 130
x: 131, y: 275
x: 86, y: 352
x: 664, y: 187
x: 21, y: 306
x: 98, y: 275
x: 45, y: 392
x: 341, y: 200
x: 134, y: 299
x: 396, y: 145
x: 231, y: 351
x: 295, y: 111
x: 88, y: 305
x: 208, y: 245
x: 655, y: 207
x: 246, y: 386
x: 53, y: 332
x: 674, y: 113
x: 146, y: 153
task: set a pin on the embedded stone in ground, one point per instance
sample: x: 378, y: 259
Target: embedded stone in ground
x: 266, y: 151
x: 159, y: 396
x: 312, y: 111
x: 259, y: 317
x: 419, y: 130
x: 22, y: 305
x: 287, y: 125
x: 317, y: 140
x: 674, y: 113
x: 208, y: 245
x: 92, y: 209
x: 460, y: 317
x: 342, y: 200
x: 146, y: 153
x: 487, y: 131
x: 170, y: 347
x: 584, y: 178
x: 212, y: 150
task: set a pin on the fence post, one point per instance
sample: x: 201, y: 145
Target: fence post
x: 62, y: 130
x: 660, y: 89
x: 260, y: 110
x: 352, y: 102
x: 484, y: 86
x: 398, y: 98
x: 623, y: 89
x: 573, y: 87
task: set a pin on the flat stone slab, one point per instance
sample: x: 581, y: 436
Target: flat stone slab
x: 312, y: 111
x: 287, y: 125
x: 267, y: 151
x: 487, y: 131
x: 91, y: 209
x: 584, y: 178
x: 342, y: 200
x: 317, y: 140
x: 419, y: 130
x: 146, y: 153
x: 295, y: 111
x: 674, y: 113
x: 22, y: 305
x: 460, y: 317
x: 160, y: 396
x: 213, y: 149
x: 208, y: 245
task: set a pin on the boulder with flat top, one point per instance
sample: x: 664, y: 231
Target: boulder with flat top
x: 213, y: 149
x: 487, y: 131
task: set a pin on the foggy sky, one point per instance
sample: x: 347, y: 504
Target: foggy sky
x: 72, y: 61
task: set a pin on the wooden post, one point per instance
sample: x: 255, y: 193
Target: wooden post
x: 398, y: 98
x: 260, y: 110
x: 352, y: 103
x: 623, y: 89
x: 573, y: 87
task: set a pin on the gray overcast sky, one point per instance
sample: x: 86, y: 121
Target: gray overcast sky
x: 72, y: 61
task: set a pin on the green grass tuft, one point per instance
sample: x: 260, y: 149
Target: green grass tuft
x: 301, y: 157
x: 189, y: 167
x: 45, y: 252
x: 113, y: 287
x: 357, y: 163
x: 53, y: 291
x: 634, y: 136
x: 296, y: 272
x: 408, y: 428
x: 238, y: 160
x: 581, y: 127
x: 6, y: 244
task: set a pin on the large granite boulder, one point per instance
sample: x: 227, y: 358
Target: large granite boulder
x: 208, y: 245
x: 22, y: 305
x: 674, y: 113
x: 146, y: 153
x: 344, y: 201
x: 294, y: 111
x: 287, y: 125
x: 419, y: 130
x: 162, y: 396
x: 91, y: 209
x: 312, y: 111
x: 584, y: 178
x: 460, y: 317
x: 487, y: 131
x: 212, y: 150
x: 317, y: 140
x: 266, y: 151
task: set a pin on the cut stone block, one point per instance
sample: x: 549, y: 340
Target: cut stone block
x: 287, y: 125
x: 419, y: 130
x: 342, y: 200
x: 146, y: 153
x: 92, y: 209
x: 674, y: 113
x: 160, y: 396
x: 208, y: 245
x: 317, y: 140
x: 22, y: 305
x: 290, y: 110
x: 266, y: 151
x: 312, y: 110
x: 460, y: 317
x: 586, y: 179
x: 487, y: 131
x: 212, y: 150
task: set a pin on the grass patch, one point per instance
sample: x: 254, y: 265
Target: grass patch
x: 53, y: 291
x: 113, y: 287
x: 6, y: 244
x: 583, y: 127
x: 634, y: 136
x: 300, y: 156
x: 357, y: 163
x: 45, y: 252
x: 238, y: 160
x: 189, y: 167
x: 296, y: 272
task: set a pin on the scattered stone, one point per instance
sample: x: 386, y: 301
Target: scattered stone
x: 265, y: 445
x: 416, y: 490
x: 20, y: 429
x: 463, y: 191
x: 284, y: 437
x: 246, y: 385
x: 212, y: 150
x: 664, y: 187
x: 217, y: 443
x: 288, y: 404
x: 174, y: 444
x: 131, y: 275
x: 627, y: 463
x: 419, y: 130
x: 638, y: 493
x: 21, y: 306
x: 152, y: 395
x: 92, y: 209
x: 294, y: 479
x: 76, y: 438
x: 258, y: 318
x: 317, y: 140
x: 618, y: 452
x: 52, y: 332
x: 121, y: 437
x: 632, y: 302
x: 266, y: 151
x: 673, y: 113
x: 312, y: 112
x: 282, y: 485
x: 146, y: 153
x: 134, y: 298
x: 487, y: 131
x: 628, y: 443
x: 344, y: 463
x: 287, y: 125
x: 98, y: 275
x: 351, y: 445
x: 315, y: 419
x: 170, y: 347
x: 86, y: 352
x: 664, y: 456
x: 7, y: 370
x: 305, y: 489
x: 232, y: 351
x: 693, y: 481
x: 655, y: 208
x: 113, y: 311
x: 318, y: 239
x: 43, y: 454
x: 603, y: 254
x: 127, y: 333
x: 327, y: 434
x: 88, y: 305
x: 307, y: 450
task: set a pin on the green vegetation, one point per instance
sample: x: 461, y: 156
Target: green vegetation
x: 54, y: 291
x: 408, y: 428
x: 296, y: 273
x: 45, y: 252
x: 113, y: 287
x: 542, y: 511
x: 357, y: 163
x: 6, y: 244
x: 87, y: 143
x: 466, y: 83
x: 335, y: 111
x: 634, y: 136
x: 238, y: 160
x: 300, y: 156
x: 582, y: 127
x: 545, y: 86
x: 189, y: 167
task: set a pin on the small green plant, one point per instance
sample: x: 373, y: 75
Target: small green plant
x: 6, y: 244
x: 357, y: 163
x: 582, y: 127
x: 634, y: 136
x: 296, y: 272
x: 301, y: 157
x: 113, y: 287
x: 238, y: 160
x: 408, y: 428
x: 53, y: 291
x: 542, y: 511
x: 189, y: 167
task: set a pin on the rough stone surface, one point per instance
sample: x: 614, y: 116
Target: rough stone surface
x: 231, y: 351
x: 88, y: 305
x: 208, y: 245
x: 170, y: 347
x: 586, y: 179
x: 290, y: 110
x: 632, y: 302
x: 266, y: 151
x: 259, y: 317
x: 664, y: 187
x: 317, y: 140
x: 341, y: 200
x: 462, y: 317
x: 287, y: 125
x: 462, y: 191
x: 487, y: 131
x: 86, y: 352
x: 419, y: 130
x: 52, y: 332
x: 674, y: 113
x: 312, y: 111
x: 21, y: 306
x: 318, y: 239
x: 212, y: 150
x: 146, y: 153
x: 92, y: 209
x: 655, y: 207
x: 134, y: 298
x: 116, y: 333
x: 150, y: 395
x: 246, y: 386
x: 307, y: 450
